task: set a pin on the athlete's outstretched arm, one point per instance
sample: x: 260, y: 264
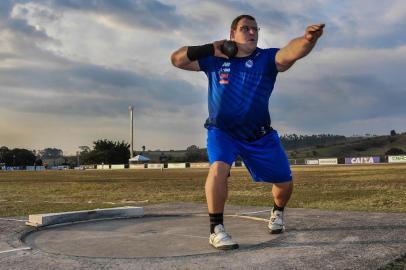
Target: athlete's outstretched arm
x: 186, y: 57
x: 298, y: 47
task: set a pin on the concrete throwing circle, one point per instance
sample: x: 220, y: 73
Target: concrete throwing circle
x: 149, y: 236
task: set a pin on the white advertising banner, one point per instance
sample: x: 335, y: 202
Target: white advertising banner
x: 103, y: 167
x: 312, y: 162
x: 137, y: 166
x: 155, y: 166
x: 328, y: 161
x: 176, y: 165
x: 200, y: 165
x: 117, y: 166
x: 397, y: 159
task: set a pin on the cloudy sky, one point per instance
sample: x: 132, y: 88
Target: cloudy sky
x: 69, y: 69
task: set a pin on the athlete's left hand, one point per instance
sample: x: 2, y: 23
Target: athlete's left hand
x: 313, y: 32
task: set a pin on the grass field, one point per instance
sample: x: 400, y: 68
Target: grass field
x: 350, y: 188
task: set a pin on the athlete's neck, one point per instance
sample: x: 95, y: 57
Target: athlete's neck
x: 241, y: 53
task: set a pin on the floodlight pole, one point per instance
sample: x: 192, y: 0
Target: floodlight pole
x: 131, y: 109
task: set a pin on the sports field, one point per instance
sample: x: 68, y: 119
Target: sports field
x: 353, y: 188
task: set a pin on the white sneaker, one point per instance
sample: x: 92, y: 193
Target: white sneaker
x: 276, y: 224
x: 222, y: 240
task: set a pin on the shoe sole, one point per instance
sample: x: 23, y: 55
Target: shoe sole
x: 276, y: 231
x: 226, y: 247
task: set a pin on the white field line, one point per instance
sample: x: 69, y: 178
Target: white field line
x: 187, y: 235
x: 13, y: 219
x: 119, y: 202
x: 14, y: 250
x: 237, y: 216
x: 248, y: 217
x: 256, y: 212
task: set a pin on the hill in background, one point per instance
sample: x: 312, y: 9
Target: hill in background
x: 353, y: 147
x: 307, y: 146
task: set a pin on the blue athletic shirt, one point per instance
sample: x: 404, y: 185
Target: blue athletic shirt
x: 239, y: 92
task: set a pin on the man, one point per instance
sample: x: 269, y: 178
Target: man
x: 239, y: 121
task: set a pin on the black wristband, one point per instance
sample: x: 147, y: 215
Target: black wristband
x: 197, y: 52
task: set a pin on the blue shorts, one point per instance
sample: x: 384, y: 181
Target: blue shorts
x: 264, y: 158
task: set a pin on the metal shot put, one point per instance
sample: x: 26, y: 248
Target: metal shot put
x: 241, y: 79
x: 229, y: 48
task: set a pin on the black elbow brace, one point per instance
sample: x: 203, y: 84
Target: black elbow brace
x: 197, y: 52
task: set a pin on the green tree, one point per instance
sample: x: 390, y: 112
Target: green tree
x: 18, y: 157
x: 84, y: 148
x: 38, y: 162
x: 192, y: 153
x: 395, y: 151
x: 195, y: 154
x: 3, y: 153
x: 294, y: 141
x: 107, y: 152
x: 51, y: 153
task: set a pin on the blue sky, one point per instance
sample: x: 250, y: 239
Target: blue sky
x: 69, y: 69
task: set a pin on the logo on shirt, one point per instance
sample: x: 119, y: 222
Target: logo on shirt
x: 224, y: 73
x: 223, y: 78
x: 249, y: 63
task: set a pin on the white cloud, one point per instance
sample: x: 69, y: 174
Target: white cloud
x: 70, y: 69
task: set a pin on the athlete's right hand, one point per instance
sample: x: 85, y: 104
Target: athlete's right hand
x: 313, y: 32
x: 217, y: 48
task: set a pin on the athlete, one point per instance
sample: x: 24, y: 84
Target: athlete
x: 239, y: 122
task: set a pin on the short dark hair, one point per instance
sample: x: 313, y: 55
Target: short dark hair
x: 236, y: 20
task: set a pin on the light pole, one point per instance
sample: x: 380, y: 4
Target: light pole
x: 131, y: 109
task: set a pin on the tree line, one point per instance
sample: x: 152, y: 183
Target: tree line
x: 18, y: 157
x: 293, y: 141
x: 104, y: 151
x: 118, y: 152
